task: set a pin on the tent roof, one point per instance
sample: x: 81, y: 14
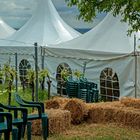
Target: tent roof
x: 5, y: 30
x: 107, y: 40
x: 110, y: 35
x: 45, y: 27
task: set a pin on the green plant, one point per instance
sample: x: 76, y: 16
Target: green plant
x: 65, y: 74
x: 78, y: 74
x: 9, y: 74
x: 42, y: 75
x: 31, y: 80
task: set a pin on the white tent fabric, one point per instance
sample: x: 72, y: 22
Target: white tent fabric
x: 5, y: 30
x: 105, y: 46
x: 45, y: 27
x: 108, y: 39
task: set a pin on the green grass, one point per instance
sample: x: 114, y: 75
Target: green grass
x: 98, y: 132
x: 27, y: 95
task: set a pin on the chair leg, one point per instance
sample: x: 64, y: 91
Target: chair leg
x: 19, y: 131
x: 29, y: 130
x: 45, y: 127
x: 15, y: 134
x: 6, y: 135
x: 0, y: 135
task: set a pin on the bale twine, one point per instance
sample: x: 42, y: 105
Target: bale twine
x: 101, y: 113
x: 59, y: 121
x: 130, y: 102
x: 78, y: 110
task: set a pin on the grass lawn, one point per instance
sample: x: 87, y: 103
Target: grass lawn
x: 96, y: 132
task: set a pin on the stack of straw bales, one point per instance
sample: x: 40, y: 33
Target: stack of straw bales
x: 63, y: 111
x: 77, y: 107
x: 59, y: 121
x: 114, y: 112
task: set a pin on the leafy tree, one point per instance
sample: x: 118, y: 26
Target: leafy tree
x: 129, y: 9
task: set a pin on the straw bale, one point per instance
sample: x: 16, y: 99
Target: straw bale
x: 52, y: 104
x: 130, y: 102
x: 56, y: 102
x: 59, y: 121
x: 78, y: 110
x: 101, y: 113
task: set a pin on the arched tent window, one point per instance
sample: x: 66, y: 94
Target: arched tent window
x: 109, y: 85
x: 59, y: 78
x: 23, y: 67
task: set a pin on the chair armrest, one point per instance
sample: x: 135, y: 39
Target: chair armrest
x: 38, y: 103
x: 34, y: 106
x: 8, y: 117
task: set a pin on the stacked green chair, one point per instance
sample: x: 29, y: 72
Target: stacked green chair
x: 40, y: 115
x: 93, y: 92
x: 6, y: 126
x: 72, y: 89
x: 88, y: 91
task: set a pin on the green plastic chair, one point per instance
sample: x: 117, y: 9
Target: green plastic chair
x: 6, y: 126
x: 19, y: 122
x: 40, y: 115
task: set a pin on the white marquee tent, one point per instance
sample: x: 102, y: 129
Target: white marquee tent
x: 45, y: 27
x: 5, y: 30
x: 105, y: 47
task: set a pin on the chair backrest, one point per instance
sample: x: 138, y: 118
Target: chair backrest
x: 18, y: 99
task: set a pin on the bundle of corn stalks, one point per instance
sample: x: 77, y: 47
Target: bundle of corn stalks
x: 59, y: 121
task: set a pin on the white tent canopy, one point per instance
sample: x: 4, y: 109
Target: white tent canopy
x: 105, y: 46
x: 107, y: 40
x: 5, y: 30
x: 45, y: 27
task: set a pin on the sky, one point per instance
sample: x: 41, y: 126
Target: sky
x: 17, y: 12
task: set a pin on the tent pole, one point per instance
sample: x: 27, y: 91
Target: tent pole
x: 84, y: 68
x: 16, y: 68
x: 135, y: 55
x: 36, y: 70
x: 42, y: 57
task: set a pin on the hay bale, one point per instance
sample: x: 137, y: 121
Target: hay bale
x: 52, y: 104
x: 108, y: 113
x: 56, y: 102
x: 78, y: 110
x: 59, y: 121
x: 130, y: 102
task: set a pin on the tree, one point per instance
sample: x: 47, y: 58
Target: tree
x: 129, y: 9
